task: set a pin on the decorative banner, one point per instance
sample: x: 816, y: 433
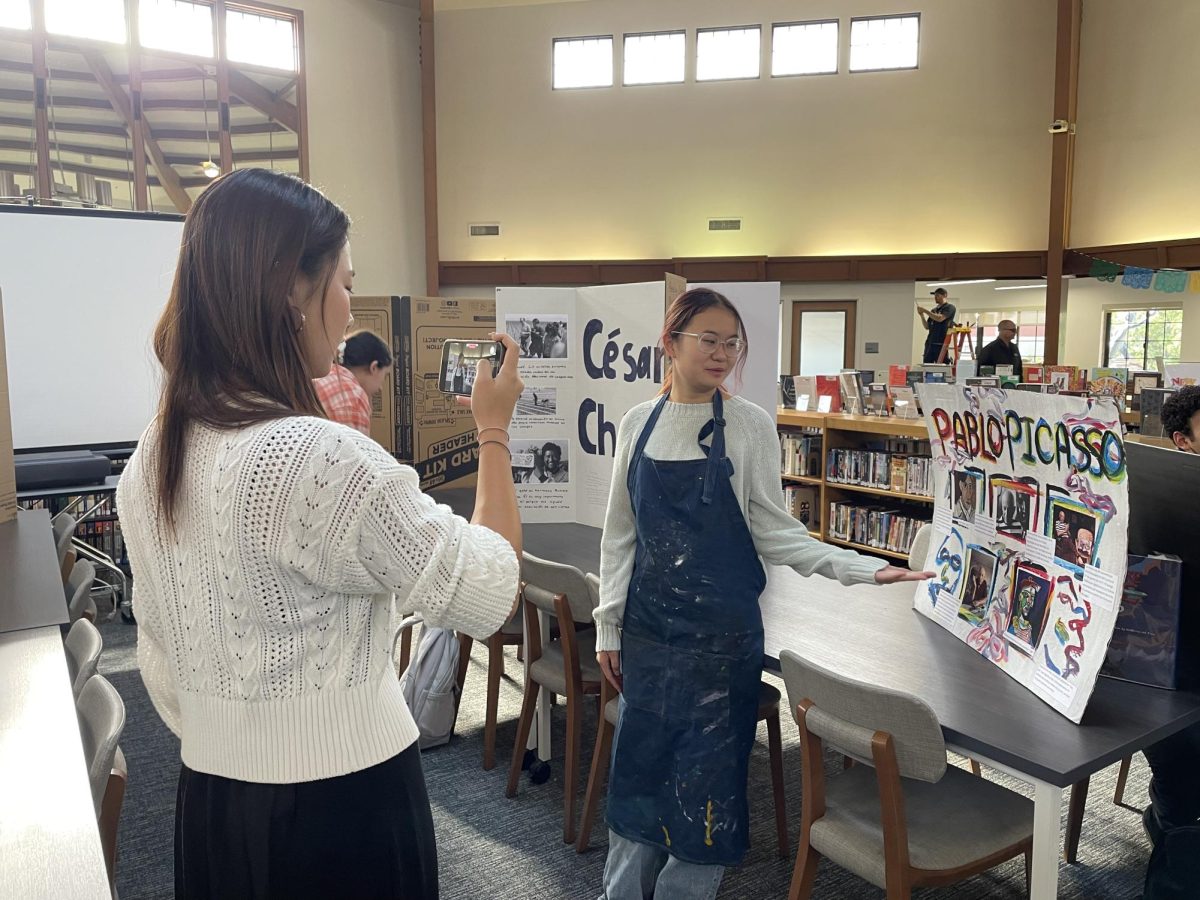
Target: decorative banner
x: 1169, y: 281
x: 1137, y: 277
x: 1029, y: 541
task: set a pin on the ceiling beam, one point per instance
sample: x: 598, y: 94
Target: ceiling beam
x: 163, y: 134
x: 121, y: 103
x: 177, y: 159
x: 267, y: 103
x: 115, y: 175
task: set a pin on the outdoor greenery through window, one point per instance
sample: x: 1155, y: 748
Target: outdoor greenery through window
x: 1137, y: 338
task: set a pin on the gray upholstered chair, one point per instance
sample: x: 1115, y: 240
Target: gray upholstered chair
x: 101, y: 720
x: 903, y: 819
x: 566, y: 666
x: 920, y: 547
x: 83, y: 645
x: 768, y: 711
x: 78, y: 588
x: 63, y: 526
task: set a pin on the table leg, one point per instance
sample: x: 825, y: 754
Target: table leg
x: 1047, y: 816
x: 543, y: 707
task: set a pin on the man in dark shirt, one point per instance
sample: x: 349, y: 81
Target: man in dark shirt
x: 936, y: 321
x: 1003, y: 351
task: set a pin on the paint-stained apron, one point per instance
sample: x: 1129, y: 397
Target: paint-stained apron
x: 691, y: 658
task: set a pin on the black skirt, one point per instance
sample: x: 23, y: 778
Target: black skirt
x: 368, y: 834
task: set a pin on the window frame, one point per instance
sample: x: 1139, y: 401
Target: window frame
x: 982, y: 337
x: 696, y: 64
x: 1147, y: 364
x: 554, y: 42
x: 837, y: 68
x: 625, y: 36
x: 850, y: 45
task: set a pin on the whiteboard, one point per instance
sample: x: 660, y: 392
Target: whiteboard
x: 82, y: 293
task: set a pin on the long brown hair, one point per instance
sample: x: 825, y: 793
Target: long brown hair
x: 229, y: 338
x: 679, y: 317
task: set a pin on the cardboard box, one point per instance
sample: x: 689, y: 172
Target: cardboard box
x: 418, y: 423
x: 8, y: 477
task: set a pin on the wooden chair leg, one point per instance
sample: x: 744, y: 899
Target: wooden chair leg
x: 975, y: 770
x: 494, y: 674
x: 775, y: 746
x: 110, y: 815
x: 1122, y: 776
x: 847, y: 762
x: 805, y: 870
x: 1028, y: 872
x: 528, y: 704
x: 596, y: 779
x: 571, y: 765
x: 1079, y: 792
x: 405, y: 650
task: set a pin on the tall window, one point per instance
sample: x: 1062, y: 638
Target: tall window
x: 804, y: 48
x: 176, y: 25
x: 1031, y: 331
x: 654, y: 58
x: 15, y: 14
x: 583, y: 62
x: 101, y: 20
x: 1136, y: 338
x: 728, y: 53
x: 884, y: 42
x: 260, y: 39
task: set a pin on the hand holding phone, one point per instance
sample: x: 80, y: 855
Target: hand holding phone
x: 460, y: 362
x: 493, y: 393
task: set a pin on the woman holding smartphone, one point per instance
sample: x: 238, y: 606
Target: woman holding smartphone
x: 695, y: 506
x: 267, y: 543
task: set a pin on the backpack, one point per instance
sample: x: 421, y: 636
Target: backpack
x: 430, y: 685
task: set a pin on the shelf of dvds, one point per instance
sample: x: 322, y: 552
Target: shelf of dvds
x: 863, y: 476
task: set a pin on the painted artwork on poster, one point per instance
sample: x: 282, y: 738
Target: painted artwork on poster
x: 1030, y: 559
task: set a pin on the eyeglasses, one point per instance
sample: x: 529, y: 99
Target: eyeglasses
x: 709, y: 343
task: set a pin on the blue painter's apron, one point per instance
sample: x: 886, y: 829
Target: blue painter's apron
x: 691, y: 658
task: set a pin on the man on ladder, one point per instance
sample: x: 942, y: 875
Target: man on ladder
x: 938, y: 322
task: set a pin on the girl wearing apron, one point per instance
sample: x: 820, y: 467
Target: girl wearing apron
x: 696, y: 501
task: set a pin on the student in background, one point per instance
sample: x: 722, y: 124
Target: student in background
x: 346, y: 392
x: 695, y: 501
x: 1003, y: 351
x: 1181, y: 418
x: 267, y: 541
x: 937, y: 322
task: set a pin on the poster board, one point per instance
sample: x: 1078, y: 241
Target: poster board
x: 8, y: 475
x: 412, y: 418
x: 1029, y: 533
x: 1183, y: 374
x: 589, y: 355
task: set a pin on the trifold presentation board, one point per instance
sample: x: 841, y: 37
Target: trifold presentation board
x: 1029, y: 532
x: 589, y: 355
x: 83, y: 291
x: 8, y: 480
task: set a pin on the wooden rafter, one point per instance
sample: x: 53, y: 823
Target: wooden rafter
x: 267, y: 103
x: 124, y: 108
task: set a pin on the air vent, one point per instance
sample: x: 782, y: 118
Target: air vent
x: 724, y: 224
x: 485, y: 230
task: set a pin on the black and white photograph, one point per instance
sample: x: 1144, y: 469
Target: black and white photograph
x: 537, y: 401
x: 1015, y: 506
x: 540, y: 336
x: 965, y: 498
x: 540, y: 461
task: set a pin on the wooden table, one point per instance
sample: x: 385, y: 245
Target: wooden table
x: 874, y: 635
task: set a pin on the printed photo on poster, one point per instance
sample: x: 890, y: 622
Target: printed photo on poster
x: 1030, y: 607
x: 1014, y: 504
x: 541, y: 336
x: 1075, y: 531
x: 966, y: 494
x: 980, y: 578
x: 540, y: 461
x: 537, y: 401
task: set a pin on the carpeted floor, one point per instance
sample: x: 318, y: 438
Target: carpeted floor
x: 493, y: 847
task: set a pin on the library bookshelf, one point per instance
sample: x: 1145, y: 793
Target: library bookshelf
x: 864, y: 471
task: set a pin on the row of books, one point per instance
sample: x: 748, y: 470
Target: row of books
x: 803, y: 502
x: 55, y: 505
x: 872, y: 526
x: 105, y: 536
x: 101, y: 529
x: 882, y: 470
x: 800, y: 454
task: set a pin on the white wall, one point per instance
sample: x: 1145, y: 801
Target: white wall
x: 951, y: 157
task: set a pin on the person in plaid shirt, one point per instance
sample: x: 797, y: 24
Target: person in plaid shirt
x: 346, y: 391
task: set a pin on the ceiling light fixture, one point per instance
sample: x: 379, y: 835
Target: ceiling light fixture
x: 1020, y: 287
x: 208, y: 168
x: 936, y: 284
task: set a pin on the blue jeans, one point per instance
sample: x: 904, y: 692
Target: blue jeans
x: 635, y: 871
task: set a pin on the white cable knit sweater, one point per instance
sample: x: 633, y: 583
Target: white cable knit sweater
x: 265, y: 623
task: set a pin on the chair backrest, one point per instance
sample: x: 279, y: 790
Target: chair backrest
x: 79, y: 588
x: 920, y: 547
x: 847, y: 713
x: 101, y: 721
x: 544, y: 579
x: 83, y: 646
x: 63, y: 526
x: 593, y: 583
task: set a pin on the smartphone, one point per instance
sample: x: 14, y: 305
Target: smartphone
x: 459, y: 361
